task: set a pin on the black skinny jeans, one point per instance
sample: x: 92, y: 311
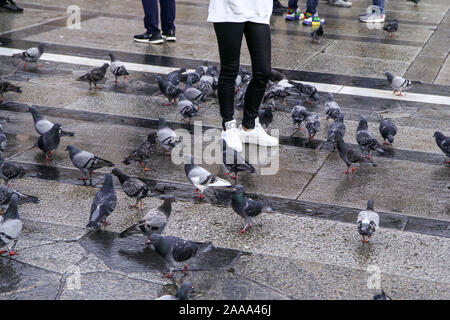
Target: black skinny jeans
x: 229, y: 37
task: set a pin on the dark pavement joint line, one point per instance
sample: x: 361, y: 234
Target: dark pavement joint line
x: 222, y: 197
x: 396, y: 154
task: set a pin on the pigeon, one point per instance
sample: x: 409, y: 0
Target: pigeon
x: 154, y: 220
x: 176, y: 76
x: 86, y: 162
x: 388, y: 130
x: 312, y: 125
x: 234, y: 162
x: 187, y: 108
x: 10, y: 227
x: 207, y: 82
x: 246, y: 207
x: 32, y: 55
x: 201, y: 178
x: 276, y: 91
x: 166, y: 136
x: 443, y: 143
x: 194, y: 76
x: 94, y: 76
x: 3, y: 140
x: 382, y: 295
x: 240, y: 97
x: 337, y: 128
x: 276, y: 76
x: 365, y: 139
x: 400, y: 84
x: 104, y: 203
x: 350, y: 156
x: 143, y: 153
x: 416, y: 2
x: 169, y: 90
x: 316, y: 34
x: 331, y: 107
x: 391, y: 26
x: 367, y: 222
x: 5, y: 197
x: 10, y: 170
x: 42, y: 125
x: 117, y: 68
x: 299, y: 115
x: 181, y: 294
x: 133, y: 187
x: 176, y: 251
x: 307, y: 93
x: 6, y: 86
x: 191, y: 93
x: 49, y: 141
x: 247, y: 75
x: 265, y: 115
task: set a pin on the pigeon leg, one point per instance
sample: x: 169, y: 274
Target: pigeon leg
x: 196, y: 190
x: 201, y: 196
x: 353, y: 169
x: 2, y: 251
x: 39, y: 65
x: 105, y: 223
x: 235, y: 176
x: 244, y: 228
x: 125, y: 77
x: 115, y: 81
x: 47, y: 156
x: 135, y: 206
x: 364, y: 239
x: 447, y: 162
x: 168, y: 275
x: 185, y: 268
x: 2, y: 99
x: 24, y: 64
x: 347, y: 171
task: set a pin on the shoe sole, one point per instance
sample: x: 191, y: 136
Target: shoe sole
x: 315, y: 24
x: 372, y: 21
x: 156, y: 41
x: 169, y: 38
x: 292, y: 19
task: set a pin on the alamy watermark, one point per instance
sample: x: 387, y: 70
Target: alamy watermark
x: 74, y: 18
x: 374, y: 277
x: 73, y: 281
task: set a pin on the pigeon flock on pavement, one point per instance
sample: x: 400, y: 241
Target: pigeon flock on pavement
x: 188, y: 90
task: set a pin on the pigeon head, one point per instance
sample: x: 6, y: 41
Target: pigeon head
x: 438, y: 135
x: 119, y: 174
x: 340, y: 118
x: 184, y: 290
x: 108, y: 183
x: 390, y: 138
x: 113, y: 58
x: 11, y: 212
x: 105, y: 65
x: 362, y: 125
x: 389, y: 76
x: 330, y: 97
x: 370, y: 204
x: 42, y: 47
x: 168, y: 198
x: 162, y: 122
x: 181, y: 97
x: 365, y: 228
x: 72, y: 150
x: 239, y: 189
x: 183, y: 70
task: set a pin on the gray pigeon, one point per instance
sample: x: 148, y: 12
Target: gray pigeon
x: 193, y: 94
x: 194, y: 76
x: 317, y: 34
x: 143, y: 153
x: 49, y: 141
x: 187, y: 108
x: 240, y: 97
x: 391, y: 26
x: 234, y: 162
x: 207, y: 83
x: 42, y: 125
x: 299, y: 115
x: 307, y: 93
x: 176, y: 251
x: 6, y: 86
x: 166, y: 136
x: 154, y: 220
x: 181, y: 294
x: 368, y: 222
x: 176, y: 76
x: 312, y: 124
x: 5, y: 197
x: 117, y: 68
x: 265, y: 115
x: 3, y: 140
x: 388, y: 130
x: 365, y: 139
x: 331, y: 107
x: 443, y: 143
x: 276, y: 91
x: 382, y: 295
x: 400, y: 84
x: 337, y: 128
x: 350, y: 156
x: 86, y: 162
x: 10, y: 227
x: 104, y: 203
x: 32, y: 55
x: 10, y: 170
x: 246, y: 207
x: 276, y: 76
x: 168, y: 89
x: 201, y: 178
x: 94, y: 76
x: 133, y: 187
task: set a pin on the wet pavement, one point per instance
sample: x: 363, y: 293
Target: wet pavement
x: 309, y: 247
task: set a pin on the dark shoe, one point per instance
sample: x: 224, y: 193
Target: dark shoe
x: 278, y: 8
x: 146, y: 37
x: 169, y: 36
x: 10, y: 5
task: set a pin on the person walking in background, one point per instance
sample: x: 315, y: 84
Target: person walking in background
x: 375, y: 13
x: 10, y: 5
x: 340, y: 3
x: 310, y: 17
x: 153, y: 34
x: 278, y: 8
x: 232, y: 20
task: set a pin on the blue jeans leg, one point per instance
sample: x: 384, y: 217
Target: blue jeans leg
x: 380, y: 4
x: 311, y: 6
x: 293, y: 4
x: 151, y: 15
x: 167, y: 15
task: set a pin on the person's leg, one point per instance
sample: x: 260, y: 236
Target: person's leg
x: 293, y: 4
x: 257, y: 36
x: 229, y: 38
x: 380, y: 4
x: 167, y: 8
x: 151, y: 15
x: 311, y: 6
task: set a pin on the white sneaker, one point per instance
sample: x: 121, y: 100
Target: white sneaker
x: 343, y: 3
x: 372, y: 18
x: 257, y: 135
x: 231, y: 136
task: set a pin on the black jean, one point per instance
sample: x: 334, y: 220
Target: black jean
x: 151, y: 15
x: 229, y: 37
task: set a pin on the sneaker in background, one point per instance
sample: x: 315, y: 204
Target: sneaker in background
x: 232, y: 136
x: 257, y: 135
x: 293, y: 15
x: 314, y: 21
x: 372, y: 18
x: 342, y: 3
x: 153, y: 38
x: 169, y: 36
